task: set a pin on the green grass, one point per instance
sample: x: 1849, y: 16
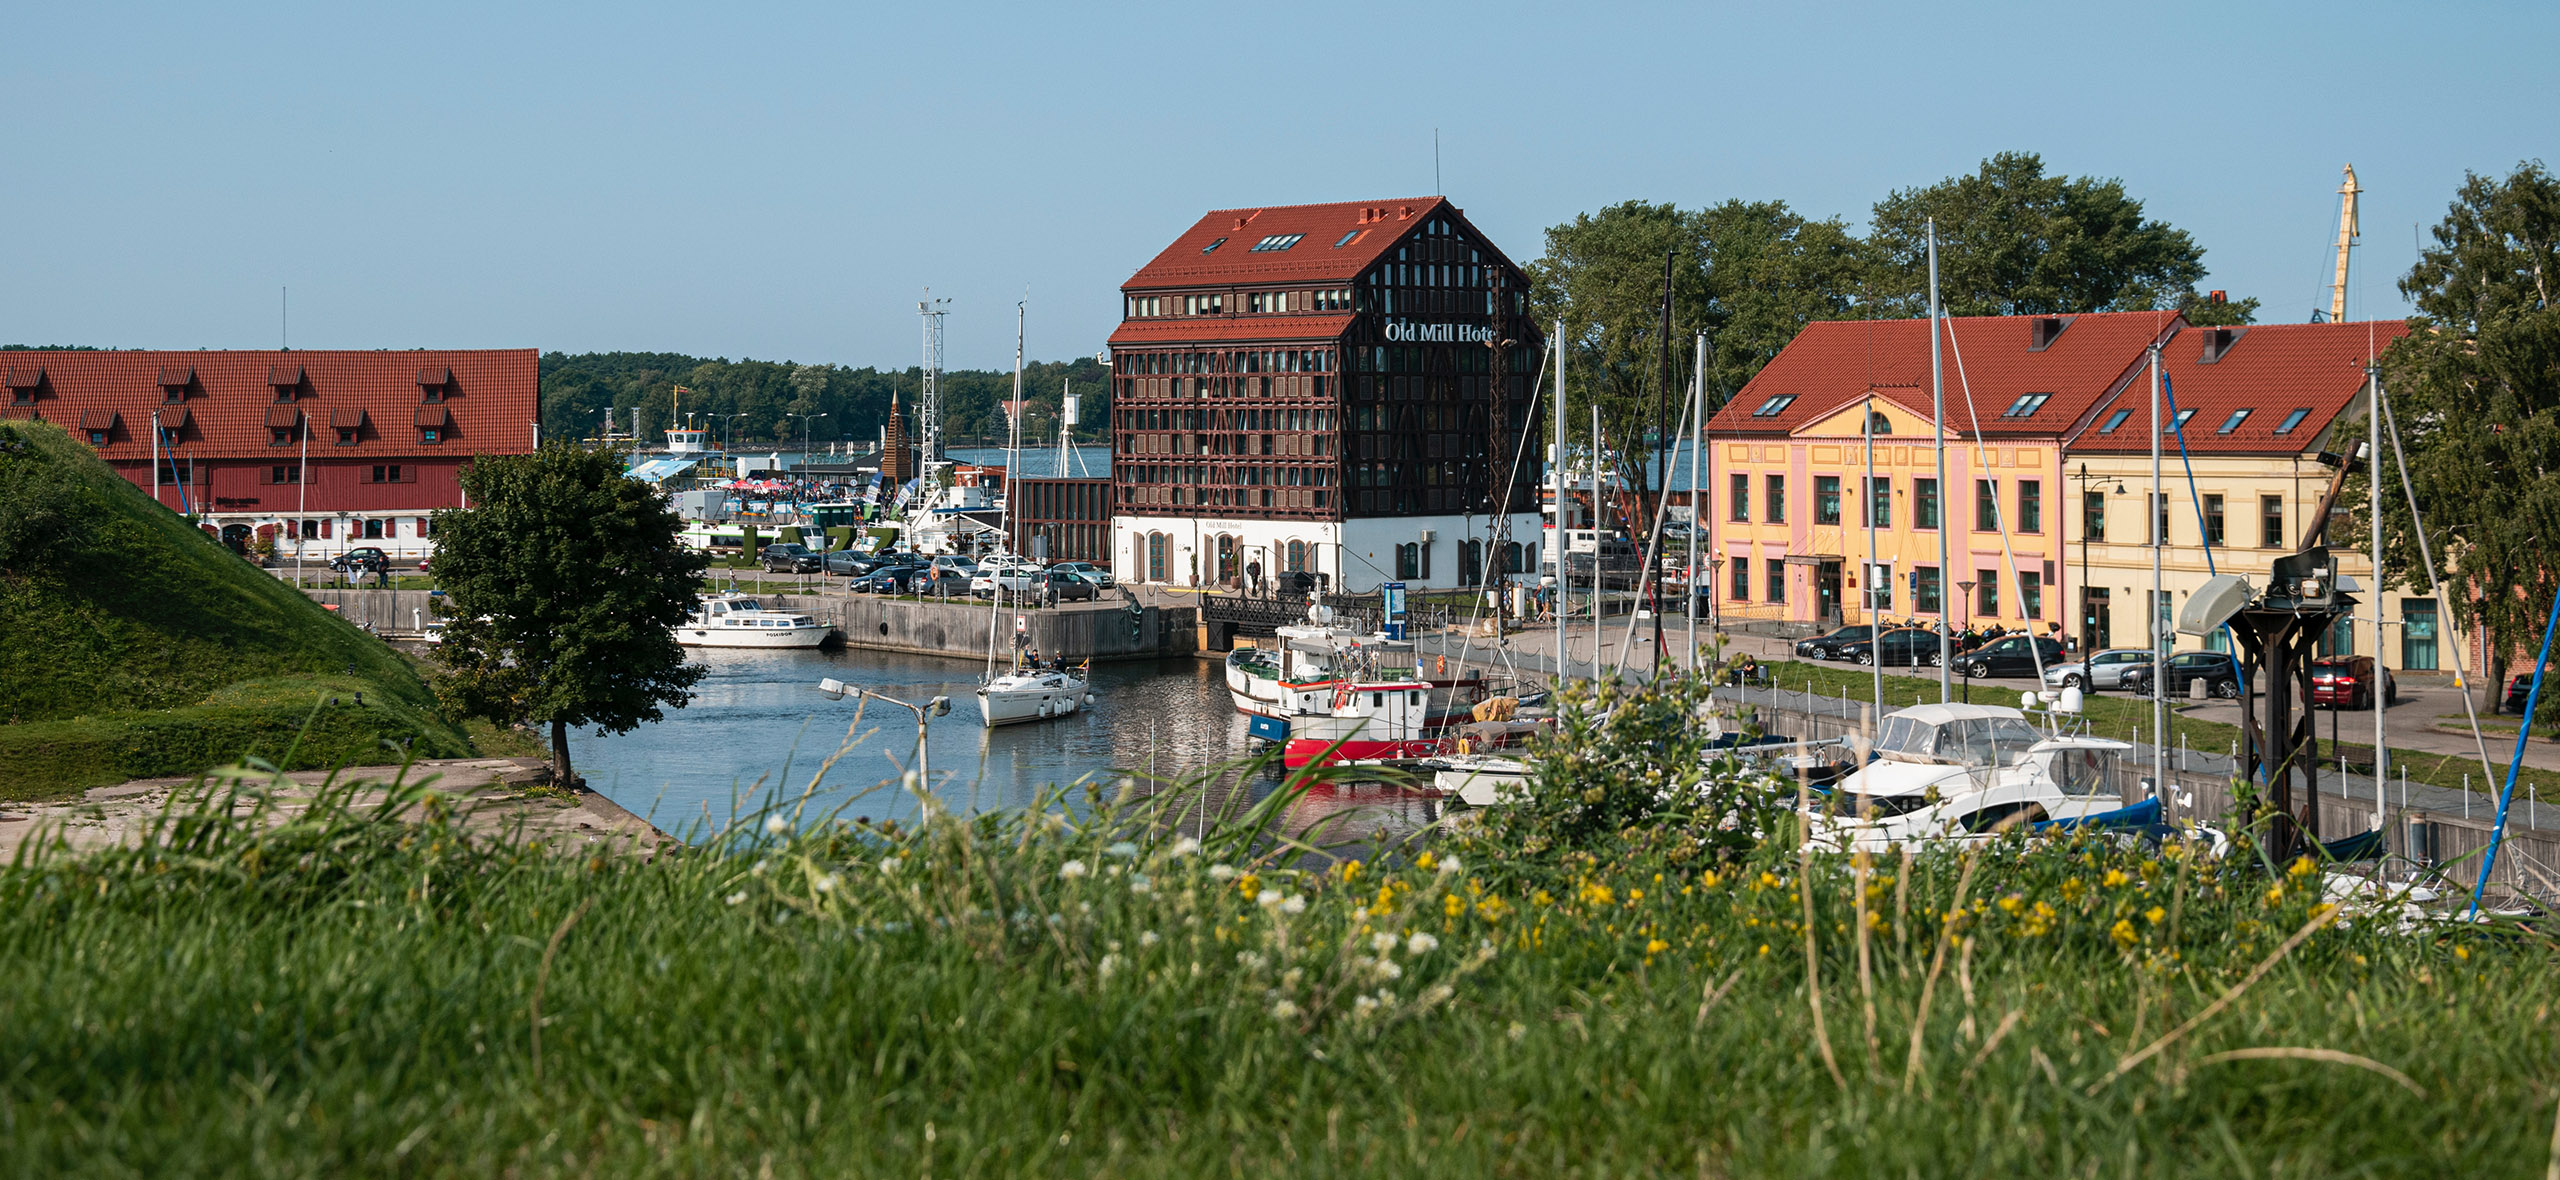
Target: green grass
x: 1032, y: 994
x: 147, y: 631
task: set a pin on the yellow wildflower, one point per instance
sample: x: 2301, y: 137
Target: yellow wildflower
x: 2275, y: 893
x: 1710, y: 879
x: 1350, y: 870
x: 1655, y: 947
x: 2301, y: 867
x: 2154, y: 915
x: 1453, y: 905
x: 2011, y: 904
x: 2124, y: 933
x: 2072, y: 888
x: 2462, y: 952
x: 1249, y: 885
x: 1425, y: 861
x: 1594, y: 893
x: 2115, y: 879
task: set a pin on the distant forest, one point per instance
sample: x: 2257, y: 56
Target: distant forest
x: 576, y: 390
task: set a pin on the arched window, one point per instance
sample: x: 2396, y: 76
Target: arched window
x: 1228, y: 551
x: 1511, y: 558
x: 1470, y: 562
x: 1297, y: 558
x: 1155, y: 557
x: 1877, y: 423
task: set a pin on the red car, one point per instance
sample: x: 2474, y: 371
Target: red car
x: 2347, y: 682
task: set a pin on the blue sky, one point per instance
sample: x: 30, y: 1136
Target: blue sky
x: 783, y: 181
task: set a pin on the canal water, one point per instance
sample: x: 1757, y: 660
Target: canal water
x: 758, y: 729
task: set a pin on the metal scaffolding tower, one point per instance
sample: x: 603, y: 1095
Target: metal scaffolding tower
x: 929, y: 403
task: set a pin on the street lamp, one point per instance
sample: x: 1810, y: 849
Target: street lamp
x: 2088, y: 607
x: 804, y: 444
x: 728, y: 430
x: 938, y: 706
x: 1966, y: 588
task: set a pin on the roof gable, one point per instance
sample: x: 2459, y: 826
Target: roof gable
x: 1905, y: 411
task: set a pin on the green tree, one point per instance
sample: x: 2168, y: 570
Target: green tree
x: 567, y: 580
x: 2475, y: 388
x: 2015, y: 241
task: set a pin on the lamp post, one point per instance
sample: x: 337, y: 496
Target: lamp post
x: 2088, y: 612
x: 1966, y: 588
x: 729, y: 430
x: 939, y: 706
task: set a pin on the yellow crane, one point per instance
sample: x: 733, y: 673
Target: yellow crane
x: 2346, y: 238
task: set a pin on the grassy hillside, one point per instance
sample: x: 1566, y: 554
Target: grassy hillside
x: 132, y: 644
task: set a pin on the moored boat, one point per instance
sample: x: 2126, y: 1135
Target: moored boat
x: 741, y: 620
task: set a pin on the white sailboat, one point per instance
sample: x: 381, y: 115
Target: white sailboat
x: 1024, y: 694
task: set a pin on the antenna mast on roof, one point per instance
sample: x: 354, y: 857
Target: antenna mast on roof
x: 929, y: 402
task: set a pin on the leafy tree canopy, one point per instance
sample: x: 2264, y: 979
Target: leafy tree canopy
x: 2015, y: 241
x: 748, y: 402
x: 2475, y: 388
x: 567, y: 580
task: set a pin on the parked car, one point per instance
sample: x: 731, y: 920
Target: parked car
x: 1086, y: 570
x: 2219, y: 672
x: 791, y: 557
x: 2107, y: 669
x: 983, y: 580
x: 2010, y: 655
x: 2348, y: 682
x: 887, y: 580
x: 1070, y: 586
x: 364, y: 559
x: 1909, y: 647
x: 1827, y: 646
x: 2521, y: 686
x: 848, y: 563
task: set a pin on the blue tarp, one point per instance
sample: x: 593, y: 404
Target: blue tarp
x: 2140, y: 815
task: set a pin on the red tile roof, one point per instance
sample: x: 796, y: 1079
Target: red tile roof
x: 491, y: 402
x: 1314, y: 258
x: 1230, y: 328
x: 2271, y: 370
x: 1832, y: 362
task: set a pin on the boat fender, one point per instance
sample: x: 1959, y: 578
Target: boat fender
x: 1088, y: 698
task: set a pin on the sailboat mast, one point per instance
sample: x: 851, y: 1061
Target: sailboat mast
x: 1875, y: 624
x: 1563, y: 575
x: 2373, y: 508
x: 1697, y: 511
x: 2159, y: 652
x: 1597, y: 636
x: 1938, y: 430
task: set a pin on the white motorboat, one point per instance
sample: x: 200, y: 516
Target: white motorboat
x: 1031, y: 695
x: 1955, y: 772
x: 740, y: 620
x: 1481, y: 780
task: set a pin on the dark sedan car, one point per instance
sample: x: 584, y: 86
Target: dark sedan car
x: 791, y: 557
x: 2219, y: 673
x: 2521, y: 685
x: 365, y: 559
x: 2347, y: 682
x: 887, y: 580
x: 1909, y: 647
x: 1827, y: 647
x: 2009, y: 655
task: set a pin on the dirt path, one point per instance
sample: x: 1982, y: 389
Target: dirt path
x: 490, y: 795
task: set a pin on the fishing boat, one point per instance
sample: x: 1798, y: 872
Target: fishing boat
x: 740, y: 620
x: 1955, y: 772
x: 1365, y: 721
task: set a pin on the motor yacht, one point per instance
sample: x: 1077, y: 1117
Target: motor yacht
x: 741, y: 620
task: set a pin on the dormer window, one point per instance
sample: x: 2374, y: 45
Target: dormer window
x: 286, y: 380
x: 2044, y: 330
x: 1349, y: 238
x: 2027, y: 404
x: 2217, y: 344
x: 98, y: 425
x: 2115, y: 420
x: 433, y: 382
x: 1774, y: 406
x: 2178, y: 423
x: 24, y: 385
x: 1275, y: 242
x: 349, y: 424
x: 2233, y: 422
x: 2292, y: 420
x: 174, y: 380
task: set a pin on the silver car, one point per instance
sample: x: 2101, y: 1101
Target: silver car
x: 2104, y: 670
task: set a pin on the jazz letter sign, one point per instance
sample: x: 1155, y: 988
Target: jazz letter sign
x: 1406, y: 332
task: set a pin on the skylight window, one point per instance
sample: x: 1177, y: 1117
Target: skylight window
x: 2178, y: 423
x: 1276, y: 242
x: 2233, y: 422
x: 1774, y: 406
x: 2293, y: 419
x: 2026, y: 404
x: 1349, y: 238
x: 1213, y: 245
x: 2115, y: 420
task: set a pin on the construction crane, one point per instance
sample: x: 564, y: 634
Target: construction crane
x: 2346, y: 238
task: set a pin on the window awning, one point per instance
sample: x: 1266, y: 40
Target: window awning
x: 177, y: 376
x: 283, y: 417
x: 97, y: 419
x: 431, y: 416
x: 284, y: 376
x: 345, y: 418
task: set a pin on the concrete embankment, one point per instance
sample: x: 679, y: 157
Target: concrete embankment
x: 1108, y: 630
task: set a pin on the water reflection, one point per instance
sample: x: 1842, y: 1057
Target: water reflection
x: 758, y: 729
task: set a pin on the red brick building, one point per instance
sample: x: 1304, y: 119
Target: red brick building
x: 325, y: 450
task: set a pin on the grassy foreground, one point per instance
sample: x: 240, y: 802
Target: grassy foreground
x: 1045, y: 994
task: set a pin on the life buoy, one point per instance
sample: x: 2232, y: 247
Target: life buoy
x: 1441, y: 666
x: 1342, y: 694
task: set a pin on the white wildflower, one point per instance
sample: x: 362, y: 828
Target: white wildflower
x: 1383, y: 943
x: 1148, y: 938
x: 1139, y: 884
x: 1071, y: 870
x: 1053, y: 823
x: 1249, y: 960
x: 889, y: 865
x: 826, y: 883
x: 1122, y: 849
x: 1449, y: 865
x: 1387, y: 969
x: 1364, y: 1007
x: 1293, y: 904
x: 737, y: 897
x: 1109, y: 964
x: 1291, y: 977
x: 1185, y: 846
x: 757, y: 870
x: 1111, y: 870
x: 1421, y: 944
x: 1438, y: 993
x: 1285, y: 1010
x: 1386, y: 998
x: 912, y: 781
x: 1222, y: 872
x: 1267, y: 899
x: 1517, y: 1030
x: 775, y: 825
